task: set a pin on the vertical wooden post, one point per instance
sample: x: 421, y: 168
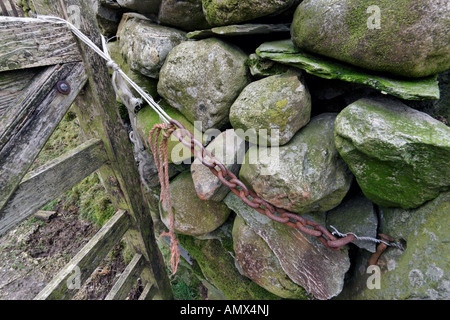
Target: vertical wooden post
x: 99, y: 117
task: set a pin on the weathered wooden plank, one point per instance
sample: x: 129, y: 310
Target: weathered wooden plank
x: 127, y: 279
x: 12, y: 84
x: 40, y: 113
x: 149, y: 292
x: 100, y: 118
x: 27, y: 100
x: 29, y: 42
x: 51, y: 180
x: 66, y: 284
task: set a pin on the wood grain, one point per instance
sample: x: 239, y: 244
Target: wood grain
x: 32, y: 123
x: 28, y: 42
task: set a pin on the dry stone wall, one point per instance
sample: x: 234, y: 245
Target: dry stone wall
x: 336, y: 110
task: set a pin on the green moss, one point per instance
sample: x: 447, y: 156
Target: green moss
x: 411, y: 89
x: 218, y: 267
x: 395, y: 47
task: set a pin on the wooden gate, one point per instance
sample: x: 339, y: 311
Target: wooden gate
x: 43, y: 70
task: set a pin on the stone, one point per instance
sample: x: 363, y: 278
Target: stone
x: 147, y: 118
x: 146, y: 83
x: 285, y: 52
x: 356, y: 215
x: 229, y: 149
x: 398, y: 155
x: 239, y: 30
x: 260, y: 264
x: 218, y: 267
x: 202, y: 79
x: 260, y: 68
x: 192, y: 216
x: 184, y: 14
x: 145, y: 45
x: 438, y: 109
x: 417, y: 271
x: 404, y: 38
x: 308, y: 263
x: 141, y: 6
x: 226, y: 12
x: 279, y: 102
x: 305, y: 175
x: 108, y: 17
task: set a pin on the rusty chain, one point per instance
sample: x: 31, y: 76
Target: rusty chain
x: 251, y: 199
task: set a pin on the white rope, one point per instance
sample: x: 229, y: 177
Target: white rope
x: 111, y: 64
x: 123, y: 91
x: 336, y: 232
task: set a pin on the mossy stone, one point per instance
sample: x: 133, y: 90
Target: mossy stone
x: 218, y: 266
x: 418, y: 271
x: 146, y: 83
x: 412, y: 38
x: 202, y: 79
x: 398, y: 155
x: 226, y: 12
x: 192, y: 216
x: 279, y: 102
x: 284, y: 51
x: 145, y: 45
x: 260, y: 264
x: 308, y: 263
x: 147, y: 118
x: 305, y: 175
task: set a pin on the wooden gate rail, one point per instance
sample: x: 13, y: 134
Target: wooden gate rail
x: 35, y: 56
x: 52, y: 179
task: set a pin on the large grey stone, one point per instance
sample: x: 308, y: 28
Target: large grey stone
x: 356, y: 215
x: 185, y: 14
x: 192, y: 216
x: 145, y: 45
x: 412, y: 38
x: 225, y: 12
x: 306, y: 174
x: 141, y: 6
x: 308, y: 263
x: 229, y: 149
x: 260, y: 264
x: 399, y: 156
x: 202, y: 79
x: 421, y: 271
x: 280, y: 102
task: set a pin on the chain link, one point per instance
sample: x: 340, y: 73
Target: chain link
x: 251, y: 199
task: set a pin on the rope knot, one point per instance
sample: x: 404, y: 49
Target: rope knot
x: 112, y: 65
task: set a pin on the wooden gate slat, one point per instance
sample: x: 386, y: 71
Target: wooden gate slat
x: 149, y: 292
x: 127, y: 279
x: 28, y: 43
x: 84, y: 263
x: 99, y: 117
x: 40, y: 115
x: 12, y: 84
x: 51, y: 180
